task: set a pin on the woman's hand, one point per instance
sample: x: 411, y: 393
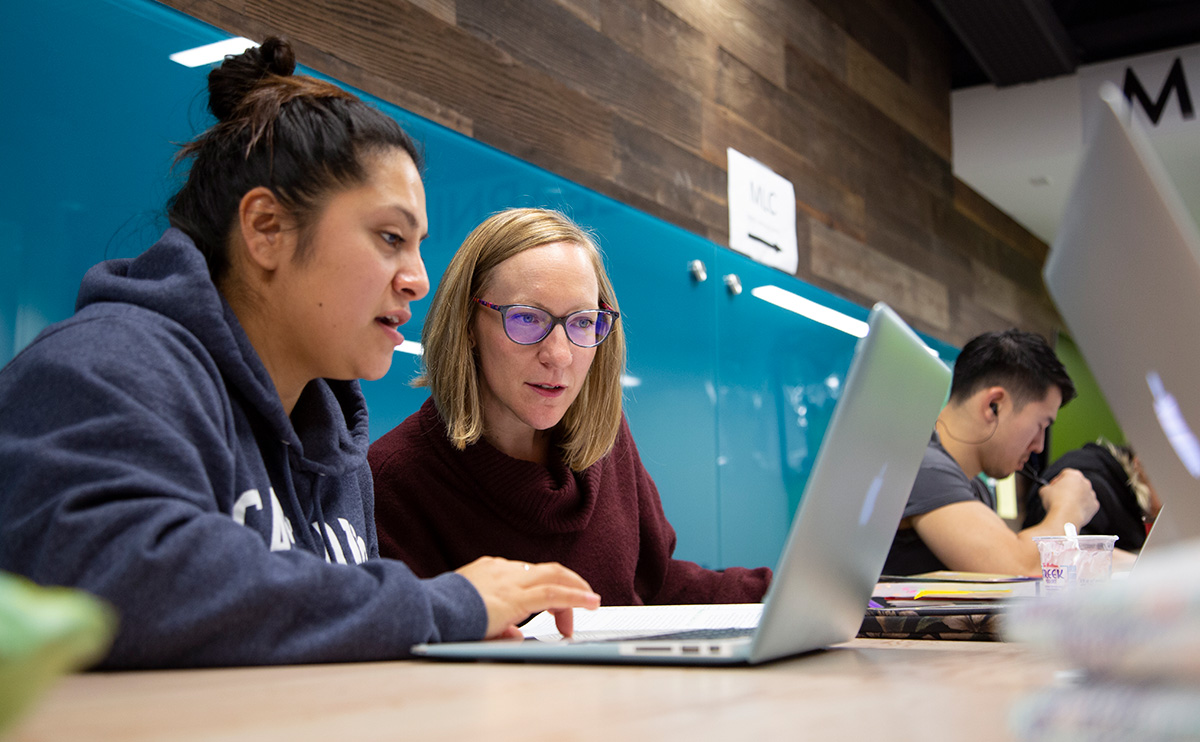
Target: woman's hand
x: 512, y: 591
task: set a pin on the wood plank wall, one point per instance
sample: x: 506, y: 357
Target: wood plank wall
x: 639, y: 99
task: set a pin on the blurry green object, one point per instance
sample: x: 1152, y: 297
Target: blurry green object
x: 1088, y: 417
x: 45, y: 632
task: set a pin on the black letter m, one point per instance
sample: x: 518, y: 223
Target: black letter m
x: 1175, y: 80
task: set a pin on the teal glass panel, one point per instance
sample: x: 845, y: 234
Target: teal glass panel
x: 86, y: 144
x: 779, y: 376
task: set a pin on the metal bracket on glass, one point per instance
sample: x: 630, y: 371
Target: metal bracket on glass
x: 734, y: 284
x: 699, y: 272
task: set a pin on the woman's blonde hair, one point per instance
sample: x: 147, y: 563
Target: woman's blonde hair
x: 589, y: 428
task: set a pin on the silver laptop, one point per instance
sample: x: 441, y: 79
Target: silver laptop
x: 839, y: 537
x: 1124, y: 271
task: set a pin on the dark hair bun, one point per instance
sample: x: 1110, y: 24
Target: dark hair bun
x: 237, y: 76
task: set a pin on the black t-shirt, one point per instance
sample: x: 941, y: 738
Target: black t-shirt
x: 940, y: 482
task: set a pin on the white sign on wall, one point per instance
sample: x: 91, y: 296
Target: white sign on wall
x: 762, y: 213
x: 1162, y: 88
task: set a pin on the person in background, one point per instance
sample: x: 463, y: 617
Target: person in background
x: 191, y: 445
x: 1128, y: 502
x: 522, y: 449
x: 1005, y: 393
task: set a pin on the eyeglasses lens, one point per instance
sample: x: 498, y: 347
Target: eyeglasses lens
x: 527, y: 325
x: 587, y: 328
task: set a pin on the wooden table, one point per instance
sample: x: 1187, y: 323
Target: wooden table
x: 893, y: 690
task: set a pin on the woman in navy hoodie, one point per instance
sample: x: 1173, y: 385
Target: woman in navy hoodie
x: 192, y: 444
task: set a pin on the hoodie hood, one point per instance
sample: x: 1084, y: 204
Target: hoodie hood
x: 171, y: 279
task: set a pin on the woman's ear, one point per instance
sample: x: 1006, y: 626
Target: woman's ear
x: 262, y: 224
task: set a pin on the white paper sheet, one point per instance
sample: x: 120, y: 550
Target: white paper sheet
x: 611, y: 622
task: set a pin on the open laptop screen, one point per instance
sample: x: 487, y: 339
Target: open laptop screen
x: 1124, y: 272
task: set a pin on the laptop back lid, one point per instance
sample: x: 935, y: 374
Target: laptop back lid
x: 1124, y: 272
x: 855, y: 495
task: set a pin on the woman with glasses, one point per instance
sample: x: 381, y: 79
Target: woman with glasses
x: 522, y: 449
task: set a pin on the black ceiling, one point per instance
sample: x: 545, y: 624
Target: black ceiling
x: 1005, y: 42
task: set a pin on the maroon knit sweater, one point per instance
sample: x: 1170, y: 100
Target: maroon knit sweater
x: 438, y: 508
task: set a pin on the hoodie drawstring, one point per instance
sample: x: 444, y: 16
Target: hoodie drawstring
x: 318, y: 543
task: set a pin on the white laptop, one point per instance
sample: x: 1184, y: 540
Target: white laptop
x: 839, y: 537
x: 1124, y: 272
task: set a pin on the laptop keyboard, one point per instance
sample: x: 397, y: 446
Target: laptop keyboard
x: 691, y: 635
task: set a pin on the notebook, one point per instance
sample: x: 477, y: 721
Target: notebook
x: 945, y: 605
x: 1124, y: 272
x: 835, y: 550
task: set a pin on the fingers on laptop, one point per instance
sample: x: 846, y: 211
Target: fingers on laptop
x: 511, y: 591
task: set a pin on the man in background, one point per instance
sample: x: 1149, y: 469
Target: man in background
x: 1006, y: 392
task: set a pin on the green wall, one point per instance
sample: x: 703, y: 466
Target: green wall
x: 1087, y: 417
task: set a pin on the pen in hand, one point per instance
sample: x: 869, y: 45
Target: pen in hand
x: 1030, y: 473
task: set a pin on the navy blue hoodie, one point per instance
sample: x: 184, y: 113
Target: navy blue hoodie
x: 145, y: 457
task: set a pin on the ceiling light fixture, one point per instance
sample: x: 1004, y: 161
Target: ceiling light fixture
x: 209, y: 53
